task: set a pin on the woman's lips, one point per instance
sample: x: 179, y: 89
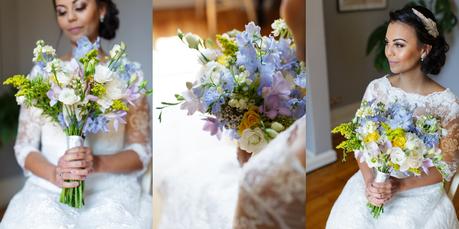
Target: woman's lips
x: 393, y: 62
x: 75, y: 30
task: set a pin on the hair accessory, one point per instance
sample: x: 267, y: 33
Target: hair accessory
x: 429, y: 24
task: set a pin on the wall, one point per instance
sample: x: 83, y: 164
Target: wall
x: 349, y: 69
x: 318, y: 139
x: 449, y: 76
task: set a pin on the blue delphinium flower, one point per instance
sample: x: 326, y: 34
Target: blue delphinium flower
x: 298, y: 107
x: 212, y: 99
x: 84, y: 45
x: 400, y: 117
x: 96, y: 125
x: 288, y: 57
x: 300, y: 79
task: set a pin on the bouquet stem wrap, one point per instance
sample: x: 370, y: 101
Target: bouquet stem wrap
x: 73, y: 197
x: 377, y: 210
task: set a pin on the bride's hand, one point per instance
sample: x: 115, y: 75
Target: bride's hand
x: 75, y: 164
x: 380, y: 193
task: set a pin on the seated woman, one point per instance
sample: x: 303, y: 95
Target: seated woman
x: 110, y: 164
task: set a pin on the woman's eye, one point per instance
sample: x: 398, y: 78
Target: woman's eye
x: 80, y: 7
x: 61, y: 12
x: 399, y: 45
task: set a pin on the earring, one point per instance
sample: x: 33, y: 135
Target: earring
x: 101, y: 19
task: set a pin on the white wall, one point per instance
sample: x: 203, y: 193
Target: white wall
x: 318, y: 139
x: 449, y: 76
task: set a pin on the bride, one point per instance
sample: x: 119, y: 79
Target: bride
x: 414, y: 49
x: 110, y: 163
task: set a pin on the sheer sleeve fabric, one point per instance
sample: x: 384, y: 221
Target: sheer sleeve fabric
x: 138, y: 134
x: 28, y: 136
x: 272, y: 192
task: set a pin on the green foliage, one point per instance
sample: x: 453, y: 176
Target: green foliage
x: 351, y: 143
x: 443, y: 11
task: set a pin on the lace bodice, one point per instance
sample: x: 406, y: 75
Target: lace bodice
x: 443, y: 104
x: 272, y: 193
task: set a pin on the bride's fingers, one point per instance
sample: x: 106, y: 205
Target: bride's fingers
x: 74, y: 164
x: 71, y: 184
x: 74, y: 156
x: 70, y: 176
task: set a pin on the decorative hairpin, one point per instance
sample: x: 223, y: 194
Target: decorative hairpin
x: 429, y: 24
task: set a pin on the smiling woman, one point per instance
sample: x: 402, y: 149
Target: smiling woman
x: 415, y: 49
x: 110, y: 163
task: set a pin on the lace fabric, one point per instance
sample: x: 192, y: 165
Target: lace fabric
x: 272, y: 193
x: 422, y: 207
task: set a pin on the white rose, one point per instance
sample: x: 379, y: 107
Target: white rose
x: 414, y: 143
x: 20, y: 100
x: 252, y: 140
x: 116, y: 89
x: 414, y: 160
x: 397, y: 155
x: 103, y: 74
x: 372, y: 162
x: 192, y: 40
x: 68, y: 96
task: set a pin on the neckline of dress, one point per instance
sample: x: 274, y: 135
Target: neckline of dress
x: 411, y: 93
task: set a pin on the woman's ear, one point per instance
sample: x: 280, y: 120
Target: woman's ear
x: 425, y: 51
x: 102, y: 11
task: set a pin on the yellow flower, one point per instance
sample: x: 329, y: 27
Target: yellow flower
x: 399, y: 141
x: 119, y: 105
x: 372, y: 137
x: 250, y: 119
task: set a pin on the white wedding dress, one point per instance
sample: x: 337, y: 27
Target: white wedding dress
x: 111, y: 200
x: 273, y: 187
x: 424, y: 207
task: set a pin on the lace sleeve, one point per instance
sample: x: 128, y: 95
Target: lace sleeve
x: 272, y: 192
x: 450, y: 148
x: 137, y: 137
x: 28, y: 136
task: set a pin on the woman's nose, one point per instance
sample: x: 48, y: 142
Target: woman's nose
x: 71, y: 16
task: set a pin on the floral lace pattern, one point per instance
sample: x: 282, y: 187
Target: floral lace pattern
x: 272, y: 193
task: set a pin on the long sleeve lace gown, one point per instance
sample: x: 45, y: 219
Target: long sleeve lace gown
x: 111, y: 200
x: 423, y: 207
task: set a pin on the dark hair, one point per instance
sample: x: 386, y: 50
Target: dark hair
x: 435, y: 60
x: 111, y: 22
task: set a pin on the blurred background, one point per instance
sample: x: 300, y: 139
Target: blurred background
x: 22, y: 23
x: 340, y: 68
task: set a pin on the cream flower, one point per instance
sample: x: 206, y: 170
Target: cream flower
x: 252, y: 140
x: 68, y: 96
x: 103, y: 74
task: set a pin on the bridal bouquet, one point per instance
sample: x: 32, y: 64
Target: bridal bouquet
x: 81, y: 95
x: 251, y: 85
x: 390, y: 139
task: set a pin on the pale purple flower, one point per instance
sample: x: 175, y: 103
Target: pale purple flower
x: 192, y: 103
x: 214, y: 126
x: 117, y: 117
x: 276, y: 97
x: 53, y: 94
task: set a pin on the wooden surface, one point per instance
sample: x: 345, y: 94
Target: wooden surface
x: 324, y: 185
x: 167, y: 21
